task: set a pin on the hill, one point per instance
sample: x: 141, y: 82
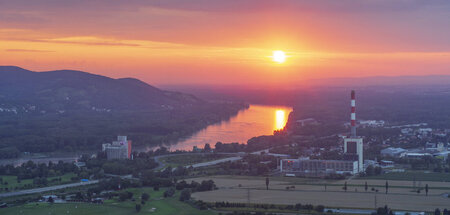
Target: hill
x: 69, y: 90
x: 68, y: 111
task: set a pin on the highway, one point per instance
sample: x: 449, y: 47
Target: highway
x: 214, y: 162
x: 45, y: 189
x: 162, y: 165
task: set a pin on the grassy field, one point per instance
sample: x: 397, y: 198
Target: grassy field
x: 189, y: 159
x: 12, y: 182
x: 163, y: 206
x: 410, y: 176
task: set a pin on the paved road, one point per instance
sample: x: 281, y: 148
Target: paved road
x: 214, y: 162
x: 162, y: 165
x: 45, y: 189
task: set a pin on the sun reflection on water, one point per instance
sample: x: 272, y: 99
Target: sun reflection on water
x: 280, y: 119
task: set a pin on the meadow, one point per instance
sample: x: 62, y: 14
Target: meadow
x: 156, y: 205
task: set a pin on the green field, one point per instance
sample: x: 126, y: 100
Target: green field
x: 12, y: 182
x: 162, y: 206
x: 410, y: 176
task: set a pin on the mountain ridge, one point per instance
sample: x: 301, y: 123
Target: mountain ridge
x: 77, y: 90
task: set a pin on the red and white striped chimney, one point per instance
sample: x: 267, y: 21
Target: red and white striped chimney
x: 353, y: 115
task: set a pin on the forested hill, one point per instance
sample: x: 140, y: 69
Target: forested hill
x: 67, y: 111
x: 68, y: 90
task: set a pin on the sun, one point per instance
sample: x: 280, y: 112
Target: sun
x: 279, y: 56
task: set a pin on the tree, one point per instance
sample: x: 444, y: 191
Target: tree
x: 437, y: 211
x: 145, y: 196
x: 138, y: 208
x: 370, y: 170
x: 123, y: 196
x: 320, y: 208
x: 426, y: 189
x: 169, y: 192
x: 207, y: 147
x: 366, y: 186
x: 185, y: 195
x: 267, y: 183
x: 387, y: 186
x: 79, y: 196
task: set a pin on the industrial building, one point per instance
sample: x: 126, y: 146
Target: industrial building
x: 307, y: 167
x: 352, y: 163
x: 120, y: 149
x: 393, y: 152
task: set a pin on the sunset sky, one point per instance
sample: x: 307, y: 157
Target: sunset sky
x: 228, y: 41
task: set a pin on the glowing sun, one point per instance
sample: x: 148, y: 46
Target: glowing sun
x: 279, y: 56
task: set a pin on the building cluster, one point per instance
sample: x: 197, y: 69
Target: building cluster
x: 371, y: 123
x: 424, y: 133
x: 352, y: 163
x: 439, y: 150
x: 119, y: 149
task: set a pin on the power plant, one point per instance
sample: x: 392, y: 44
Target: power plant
x: 352, y: 163
x: 353, y: 145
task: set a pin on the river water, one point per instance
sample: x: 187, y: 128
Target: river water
x: 255, y: 121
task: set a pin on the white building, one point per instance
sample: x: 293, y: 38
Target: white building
x: 307, y: 167
x: 393, y: 152
x: 371, y: 123
x: 353, y: 150
x: 120, y: 149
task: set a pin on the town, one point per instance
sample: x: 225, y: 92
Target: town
x: 356, y: 165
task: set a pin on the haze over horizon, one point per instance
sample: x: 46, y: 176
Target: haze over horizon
x: 228, y: 42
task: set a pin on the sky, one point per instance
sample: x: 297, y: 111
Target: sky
x: 228, y: 42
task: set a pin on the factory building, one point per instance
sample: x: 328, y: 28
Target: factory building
x: 352, y: 163
x: 318, y: 168
x: 119, y: 149
x: 353, y: 151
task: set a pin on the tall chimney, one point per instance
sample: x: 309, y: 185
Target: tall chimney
x: 353, y: 115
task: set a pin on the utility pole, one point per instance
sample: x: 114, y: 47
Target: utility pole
x: 375, y: 201
x: 248, y: 196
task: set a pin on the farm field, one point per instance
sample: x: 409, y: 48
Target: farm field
x: 329, y: 199
x: 409, y: 176
x: 401, y: 194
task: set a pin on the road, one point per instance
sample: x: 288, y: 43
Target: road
x: 45, y: 189
x: 162, y: 165
x: 214, y: 162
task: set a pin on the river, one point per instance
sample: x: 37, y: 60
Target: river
x: 255, y: 121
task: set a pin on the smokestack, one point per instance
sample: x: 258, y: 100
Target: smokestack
x: 353, y: 115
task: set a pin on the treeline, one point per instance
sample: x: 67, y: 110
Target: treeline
x: 253, y: 144
x: 255, y: 165
x: 205, y: 185
x: 88, y: 130
x: 296, y: 207
x: 31, y: 170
